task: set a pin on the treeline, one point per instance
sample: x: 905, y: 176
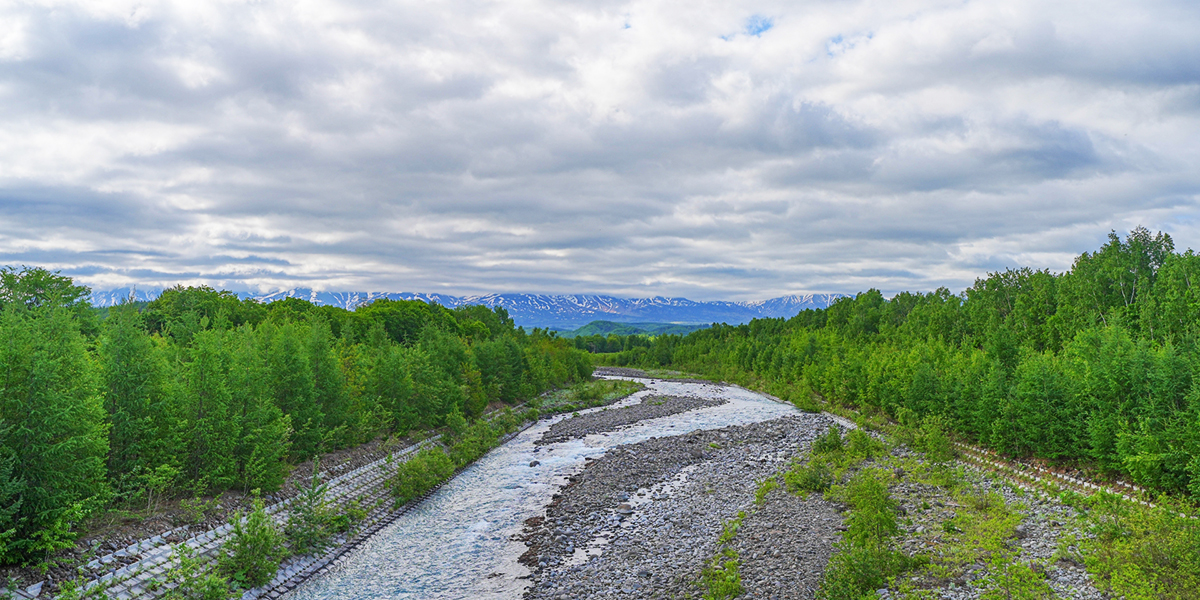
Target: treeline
x: 1096, y: 365
x: 603, y: 344
x: 200, y: 391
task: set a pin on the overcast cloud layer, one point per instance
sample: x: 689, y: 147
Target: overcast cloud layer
x: 714, y: 150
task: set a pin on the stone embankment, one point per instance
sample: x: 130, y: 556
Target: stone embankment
x: 642, y: 521
x: 139, y: 570
x: 611, y: 419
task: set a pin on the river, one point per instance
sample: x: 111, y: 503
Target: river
x: 456, y: 544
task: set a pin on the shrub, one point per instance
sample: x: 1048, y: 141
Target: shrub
x: 764, y: 487
x: 873, y: 520
x: 829, y: 443
x: 420, y: 473
x: 189, y: 580
x: 934, y: 442
x: 721, y: 579
x: 815, y: 476
x: 1140, y: 552
x: 860, y: 445
x: 855, y: 572
x: 308, y: 527
x: 253, y: 553
x: 1016, y: 581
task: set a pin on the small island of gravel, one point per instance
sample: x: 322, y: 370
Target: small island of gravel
x: 611, y: 419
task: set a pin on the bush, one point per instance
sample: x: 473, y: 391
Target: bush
x: 860, y: 445
x: 721, y: 579
x: 873, y: 520
x: 934, y: 441
x: 815, y: 476
x: 189, y: 580
x: 855, y: 572
x: 1140, y: 552
x: 420, y: 474
x: 308, y: 527
x: 829, y: 443
x: 253, y: 554
x: 764, y: 487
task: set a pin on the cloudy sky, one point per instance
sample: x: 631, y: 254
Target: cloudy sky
x: 713, y: 150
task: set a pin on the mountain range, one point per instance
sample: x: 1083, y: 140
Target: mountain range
x: 561, y: 312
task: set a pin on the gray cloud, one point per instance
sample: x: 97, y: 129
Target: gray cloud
x: 619, y: 147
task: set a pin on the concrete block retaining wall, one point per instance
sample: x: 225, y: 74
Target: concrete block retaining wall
x: 136, y: 571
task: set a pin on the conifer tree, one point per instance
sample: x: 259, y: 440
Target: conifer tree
x: 329, y: 384
x: 53, y: 432
x: 289, y: 381
x: 207, y: 431
x: 142, y: 436
x: 263, y: 430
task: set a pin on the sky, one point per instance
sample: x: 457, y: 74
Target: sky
x: 711, y: 150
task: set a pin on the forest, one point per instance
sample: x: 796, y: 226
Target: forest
x: 1096, y: 366
x: 200, y: 391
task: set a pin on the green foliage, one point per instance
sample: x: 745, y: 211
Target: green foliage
x: 196, y: 508
x: 720, y: 578
x: 1143, y: 553
x: 872, y: 522
x: 53, y: 434
x: 480, y: 437
x: 588, y: 394
x: 190, y: 579
x: 764, y: 487
x: 934, y: 440
x: 77, y: 589
x: 421, y: 473
x: 814, y: 476
x: 861, y: 446
x: 142, y: 441
x: 1011, y: 580
x: 829, y: 443
x: 310, y: 523
x: 865, y: 560
x: 252, y: 555
x: 855, y: 572
x: 202, y: 391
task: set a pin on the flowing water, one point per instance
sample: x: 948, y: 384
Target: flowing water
x: 456, y: 543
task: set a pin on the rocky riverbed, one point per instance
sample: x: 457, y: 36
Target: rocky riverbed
x: 611, y: 419
x: 643, y: 520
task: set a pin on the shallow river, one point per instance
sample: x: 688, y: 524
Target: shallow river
x: 456, y: 543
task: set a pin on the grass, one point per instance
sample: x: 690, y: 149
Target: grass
x: 720, y: 578
x: 1139, y: 552
x: 588, y: 394
x: 764, y: 487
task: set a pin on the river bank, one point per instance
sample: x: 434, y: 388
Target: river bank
x: 642, y: 521
x: 646, y: 519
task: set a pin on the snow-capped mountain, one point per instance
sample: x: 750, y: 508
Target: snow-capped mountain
x: 116, y: 296
x: 559, y: 311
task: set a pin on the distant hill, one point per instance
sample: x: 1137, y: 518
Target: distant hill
x: 560, y: 312
x: 607, y: 328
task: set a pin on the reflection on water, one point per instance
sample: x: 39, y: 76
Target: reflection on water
x: 456, y: 543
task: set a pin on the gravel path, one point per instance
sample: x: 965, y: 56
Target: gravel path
x: 642, y: 521
x: 611, y: 419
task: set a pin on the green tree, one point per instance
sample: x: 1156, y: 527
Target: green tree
x: 54, y: 433
x: 207, y: 430
x: 143, y: 436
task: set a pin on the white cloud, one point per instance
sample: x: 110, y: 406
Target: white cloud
x: 629, y: 147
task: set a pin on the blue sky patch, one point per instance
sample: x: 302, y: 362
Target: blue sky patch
x: 756, y: 25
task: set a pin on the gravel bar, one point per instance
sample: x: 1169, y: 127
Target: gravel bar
x: 643, y: 520
x: 611, y: 419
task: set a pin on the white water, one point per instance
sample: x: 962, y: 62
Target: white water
x: 456, y: 543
